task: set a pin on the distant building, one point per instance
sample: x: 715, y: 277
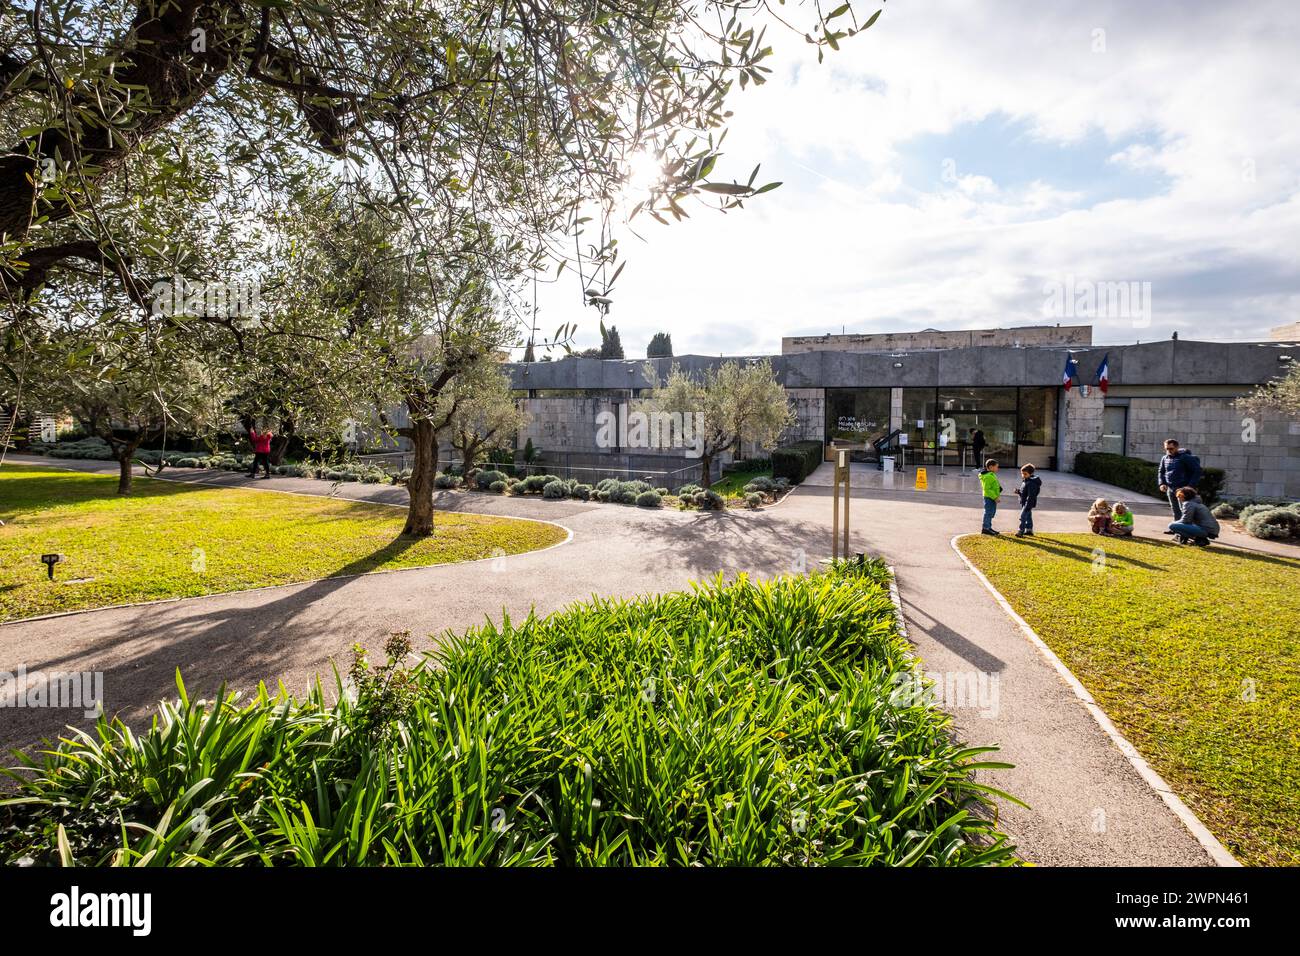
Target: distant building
x: 853, y: 390
x: 1018, y: 337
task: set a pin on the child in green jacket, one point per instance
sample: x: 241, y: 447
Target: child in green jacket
x: 992, y: 492
x: 1121, y: 521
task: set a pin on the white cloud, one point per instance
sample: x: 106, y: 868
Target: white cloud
x: 1210, y: 91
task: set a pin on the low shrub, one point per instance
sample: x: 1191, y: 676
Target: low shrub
x: 571, y: 740
x: 1249, y: 510
x: 497, y: 487
x: 797, y: 461
x: 445, y: 481
x: 748, y: 464
x: 754, y: 499
x: 628, y: 492
x: 686, y: 491
x: 94, y: 449
x: 555, y: 490
x: 582, y: 492
x: 649, y: 499
x: 761, y: 484
x: 1224, y: 509
x: 662, y: 492
x: 1272, y: 523
x: 1138, y: 474
x: 485, y: 479
x: 535, y: 484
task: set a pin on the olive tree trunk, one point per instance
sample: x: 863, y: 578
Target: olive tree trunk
x: 424, y: 468
x: 706, y: 478
x: 125, y: 452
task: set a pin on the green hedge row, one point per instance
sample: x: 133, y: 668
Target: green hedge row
x: 1138, y: 474
x: 796, y: 462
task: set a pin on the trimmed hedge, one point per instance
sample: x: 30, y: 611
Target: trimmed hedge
x: 1138, y: 474
x: 796, y: 462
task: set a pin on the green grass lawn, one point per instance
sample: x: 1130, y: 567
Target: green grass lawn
x: 174, y: 540
x: 1195, y: 655
x: 732, y: 485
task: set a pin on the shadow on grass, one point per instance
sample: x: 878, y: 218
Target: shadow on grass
x: 1079, y: 552
x: 235, y: 646
x: 1082, y: 552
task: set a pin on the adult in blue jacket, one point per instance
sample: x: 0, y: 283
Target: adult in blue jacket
x: 1178, y: 469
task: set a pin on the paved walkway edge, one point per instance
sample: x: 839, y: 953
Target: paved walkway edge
x: 1217, y: 851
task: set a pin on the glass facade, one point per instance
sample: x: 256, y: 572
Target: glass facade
x: 1017, y: 424
x: 855, y: 417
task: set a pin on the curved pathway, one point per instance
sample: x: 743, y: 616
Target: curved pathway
x: 1089, y: 807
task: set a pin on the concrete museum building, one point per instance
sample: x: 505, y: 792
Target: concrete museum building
x: 930, y: 389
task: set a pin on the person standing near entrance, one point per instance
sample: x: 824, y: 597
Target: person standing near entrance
x: 977, y: 443
x: 261, y: 451
x: 992, y: 492
x: 1179, y: 468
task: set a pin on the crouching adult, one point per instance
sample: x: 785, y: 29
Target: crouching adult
x: 1197, y: 525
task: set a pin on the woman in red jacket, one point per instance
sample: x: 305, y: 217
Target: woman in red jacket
x: 261, y: 451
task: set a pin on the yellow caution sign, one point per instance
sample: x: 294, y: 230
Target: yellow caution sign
x: 922, y: 484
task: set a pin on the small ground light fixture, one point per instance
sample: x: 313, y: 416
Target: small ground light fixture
x: 50, y: 560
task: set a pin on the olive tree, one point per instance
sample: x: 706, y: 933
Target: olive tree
x: 1280, y: 395
x: 485, y: 415
x: 728, y: 405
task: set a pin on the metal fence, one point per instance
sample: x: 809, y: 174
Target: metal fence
x: 659, y: 477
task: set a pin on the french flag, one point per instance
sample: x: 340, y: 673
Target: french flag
x: 1103, y: 375
x: 1071, y: 371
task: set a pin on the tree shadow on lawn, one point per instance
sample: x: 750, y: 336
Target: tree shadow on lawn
x: 1083, y: 553
x: 237, y: 646
x: 32, y: 492
x: 1161, y: 546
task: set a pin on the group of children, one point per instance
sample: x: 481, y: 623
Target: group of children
x: 1196, y: 525
x: 1117, y: 522
x: 1030, y: 485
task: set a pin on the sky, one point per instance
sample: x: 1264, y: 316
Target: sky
x: 971, y: 164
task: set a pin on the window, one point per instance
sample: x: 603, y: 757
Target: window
x: 857, y: 414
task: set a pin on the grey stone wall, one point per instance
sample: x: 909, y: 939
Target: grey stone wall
x: 810, y: 415
x: 1261, y: 456
x: 1081, y: 425
x: 563, y: 424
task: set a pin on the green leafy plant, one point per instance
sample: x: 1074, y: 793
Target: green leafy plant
x: 740, y: 723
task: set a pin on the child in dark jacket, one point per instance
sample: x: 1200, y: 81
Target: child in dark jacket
x: 1030, y: 485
